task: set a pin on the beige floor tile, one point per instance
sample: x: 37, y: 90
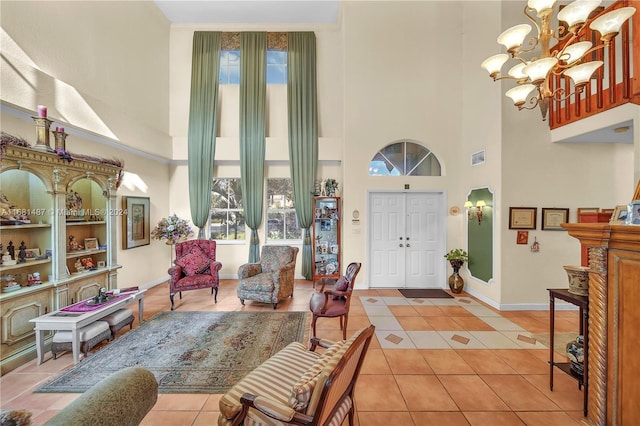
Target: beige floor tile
x: 406, y: 361
x: 384, y: 418
x: 180, y: 402
x: 425, y: 393
x: 432, y: 418
x: 485, y: 362
x: 471, y: 393
x: 375, y: 363
x: 446, y: 361
x: 413, y: 323
x: 370, y: 387
x: 556, y: 418
x: 484, y: 418
x: 169, y: 418
x: 518, y: 393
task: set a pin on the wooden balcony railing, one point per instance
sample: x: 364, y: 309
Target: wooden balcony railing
x: 616, y: 83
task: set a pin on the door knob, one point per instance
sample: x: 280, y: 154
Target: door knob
x: 400, y: 238
x: 408, y: 245
x: 400, y: 245
x: 407, y: 238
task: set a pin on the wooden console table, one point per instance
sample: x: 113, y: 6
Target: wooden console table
x: 74, y: 321
x: 583, y: 303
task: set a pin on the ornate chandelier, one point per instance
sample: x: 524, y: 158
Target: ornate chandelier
x: 570, y: 60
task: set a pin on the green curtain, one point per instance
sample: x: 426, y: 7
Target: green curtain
x: 253, y: 96
x: 303, y: 132
x: 203, y: 124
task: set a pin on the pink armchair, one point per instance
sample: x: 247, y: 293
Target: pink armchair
x: 195, y: 267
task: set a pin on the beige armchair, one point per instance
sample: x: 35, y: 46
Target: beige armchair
x: 297, y: 386
x: 271, y: 280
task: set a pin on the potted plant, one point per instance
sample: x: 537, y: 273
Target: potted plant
x: 456, y: 258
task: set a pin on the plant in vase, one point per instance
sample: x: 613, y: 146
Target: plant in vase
x: 172, y: 229
x: 456, y: 258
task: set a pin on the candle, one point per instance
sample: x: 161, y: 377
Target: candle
x: 61, y: 130
x: 42, y: 111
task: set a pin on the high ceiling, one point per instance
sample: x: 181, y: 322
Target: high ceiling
x: 301, y: 12
x: 249, y: 11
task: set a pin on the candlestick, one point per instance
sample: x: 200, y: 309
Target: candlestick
x: 42, y: 133
x: 42, y: 111
x: 60, y: 136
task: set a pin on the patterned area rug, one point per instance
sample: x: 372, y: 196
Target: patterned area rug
x: 190, y: 352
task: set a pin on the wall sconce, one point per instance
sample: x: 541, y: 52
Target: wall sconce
x: 471, y: 213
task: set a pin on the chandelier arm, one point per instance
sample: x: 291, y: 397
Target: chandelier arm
x: 565, y: 66
x: 533, y: 101
x: 559, y: 96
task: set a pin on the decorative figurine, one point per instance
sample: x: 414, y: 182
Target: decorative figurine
x: 73, y: 244
x: 11, y: 250
x: 22, y: 253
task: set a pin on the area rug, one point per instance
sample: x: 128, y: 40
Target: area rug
x: 560, y: 340
x: 189, y: 352
x: 425, y: 293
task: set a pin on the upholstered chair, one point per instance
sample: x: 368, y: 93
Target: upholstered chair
x: 195, y: 267
x: 270, y: 280
x: 332, y: 298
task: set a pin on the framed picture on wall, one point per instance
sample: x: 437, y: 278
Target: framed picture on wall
x: 552, y: 219
x: 619, y: 215
x: 522, y: 217
x: 135, y: 222
x: 523, y: 237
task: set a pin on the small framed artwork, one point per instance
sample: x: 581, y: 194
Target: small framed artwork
x: 101, y: 264
x: 91, y: 244
x: 135, y: 222
x: 589, y: 210
x: 552, y: 219
x: 477, y: 158
x: 32, y: 254
x: 634, y: 213
x: 619, y: 216
x: 522, y: 217
x: 523, y: 237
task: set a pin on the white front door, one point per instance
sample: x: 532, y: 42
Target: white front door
x: 406, y: 240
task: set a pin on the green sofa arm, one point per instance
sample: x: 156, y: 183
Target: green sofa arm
x: 122, y: 399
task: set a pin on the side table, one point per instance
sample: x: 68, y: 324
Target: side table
x: 583, y: 303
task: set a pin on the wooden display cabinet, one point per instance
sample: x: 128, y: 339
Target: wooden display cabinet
x: 327, y: 247
x: 614, y: 321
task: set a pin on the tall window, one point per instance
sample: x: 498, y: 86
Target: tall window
x: 227, y: 213
x: 404, y: 158
x: 230, y: 67
x: 282, y: 223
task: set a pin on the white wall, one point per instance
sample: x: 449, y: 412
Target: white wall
x: 105, y: 81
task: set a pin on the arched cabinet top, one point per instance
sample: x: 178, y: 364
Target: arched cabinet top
x: 59, y: 174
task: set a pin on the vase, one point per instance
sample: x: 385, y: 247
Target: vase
x: 456, y: 283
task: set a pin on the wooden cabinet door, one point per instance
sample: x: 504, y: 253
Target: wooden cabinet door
x: 623, y: 333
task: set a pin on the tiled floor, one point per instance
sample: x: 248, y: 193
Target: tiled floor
x: 432, y: 362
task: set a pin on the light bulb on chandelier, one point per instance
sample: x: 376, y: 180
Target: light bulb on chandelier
x: 570, y: 58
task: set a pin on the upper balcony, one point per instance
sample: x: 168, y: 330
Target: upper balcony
x: 613, y: 84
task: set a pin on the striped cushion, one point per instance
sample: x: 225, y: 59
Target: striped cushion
x: 302, y: 390
x: 273, y: 379
x: 256, y: 418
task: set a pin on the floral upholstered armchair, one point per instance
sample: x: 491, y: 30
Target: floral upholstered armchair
x: 195, y: 267
x: 271, y: 280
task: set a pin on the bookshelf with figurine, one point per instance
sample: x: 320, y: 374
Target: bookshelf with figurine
x: 53, y: 203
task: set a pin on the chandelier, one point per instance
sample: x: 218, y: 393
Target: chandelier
x: 533, y: 75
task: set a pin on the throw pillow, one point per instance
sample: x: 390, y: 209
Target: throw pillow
x: 194, y: 262
x: 341, y: 285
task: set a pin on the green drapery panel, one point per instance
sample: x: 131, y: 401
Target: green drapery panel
x: 303, y: 132
x: 253, y: 101
x: 202, y: 124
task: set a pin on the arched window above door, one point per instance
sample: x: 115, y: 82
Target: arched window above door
x: 404, y: 158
